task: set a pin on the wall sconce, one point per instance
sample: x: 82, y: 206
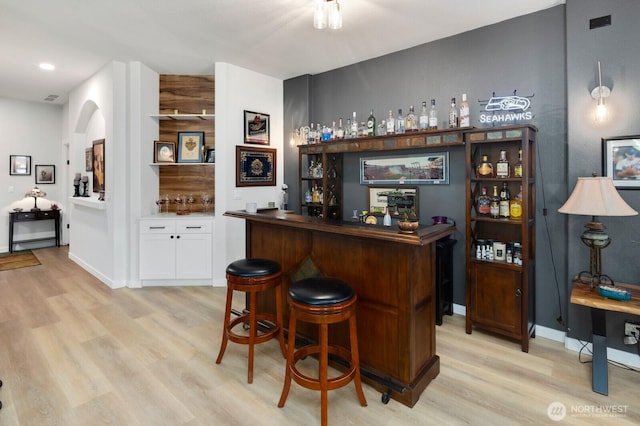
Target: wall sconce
x: 599, y: 94
x: 327, y: 12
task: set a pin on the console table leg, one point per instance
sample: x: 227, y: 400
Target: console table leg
x: 600, y: 381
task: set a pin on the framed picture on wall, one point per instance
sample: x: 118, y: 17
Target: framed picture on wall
x: 621, y: 160
x: 256, y: 128
x: 164, y: 152
x: 399, y: 200
x: 45, y: 174
x: 98, y: 165
x: 431, y: 168
x: 255, y: 166
x: 190, y: 146
x: 20, y: 165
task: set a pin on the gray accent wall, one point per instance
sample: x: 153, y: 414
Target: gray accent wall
x: 550, y: 55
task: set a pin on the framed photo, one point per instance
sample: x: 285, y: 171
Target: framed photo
x: 211, y: 156
x: 88, y: 159
x: 256, y: 128
x: 98, y: 165
x: 621, y: 160
x: 399, y: 199
x: 255, y: 166
x: 45, y: 174
x: 418, y: 169
x: 164, y: 152
x: 20, y: 165
x: 190, y: 146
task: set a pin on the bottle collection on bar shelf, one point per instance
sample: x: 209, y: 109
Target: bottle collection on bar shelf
x: 400, y: 124
x: 498, y: 251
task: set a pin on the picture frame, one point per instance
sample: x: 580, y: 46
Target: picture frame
x: 211, y: 156
x: 417, y: 169
x: 621, y: 160
x: 164, y: 152
x: 20, y: 165
x: 98, y: 165
x: 190, y: 145
x: 45, y: 174
x: 256, y: 128
x: 255, y: 166
x: 88, y: 159
x: 399, y: 199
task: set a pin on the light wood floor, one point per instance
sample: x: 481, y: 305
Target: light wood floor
x: 74, y: 352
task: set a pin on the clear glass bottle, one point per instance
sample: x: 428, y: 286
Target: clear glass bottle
x: 400, y: 123
x: 464, y: 112
x: 382, y: 128
x: 334, y: 130
x: 386, y: 221
x: 391, y: 124
x: 484, y: 169
x: 502, y: 166
x: 483, y: 203
x: 311, y: 138
x: 433, y: 115
x: 347, y: 130
x: 411, y: 123
x: 517, y: 168
x: 318, y: 133
x: 515, y: 208
x: 354, y: 126
x: 340, y: 130
x: 505, y: 199
x: 326, y: 133
x: 362, y: 130
x: 371, y: 124
x: 495, y: 203
x: 424, y: 117
x: 453, y: 114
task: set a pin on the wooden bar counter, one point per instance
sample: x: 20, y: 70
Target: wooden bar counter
x: 393, y: 275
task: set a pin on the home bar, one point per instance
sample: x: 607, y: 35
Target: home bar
x: 392, y: 273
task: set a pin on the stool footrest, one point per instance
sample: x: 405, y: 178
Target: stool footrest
x: 314, y: 383
x: 260, y: 337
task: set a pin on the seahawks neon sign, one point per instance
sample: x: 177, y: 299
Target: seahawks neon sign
x: 506, y: 109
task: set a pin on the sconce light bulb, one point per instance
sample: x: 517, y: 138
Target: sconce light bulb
x: 601, y: 111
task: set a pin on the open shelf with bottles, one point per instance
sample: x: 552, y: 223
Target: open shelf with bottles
x: 321, y: 184
x: 500, y: 248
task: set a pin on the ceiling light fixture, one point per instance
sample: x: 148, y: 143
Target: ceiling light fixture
x: 327, y: 13
x: 47, y: 67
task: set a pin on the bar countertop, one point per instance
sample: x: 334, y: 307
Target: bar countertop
x: 423, y: 235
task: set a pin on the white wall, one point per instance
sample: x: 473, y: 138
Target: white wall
x: 35, y: 129
x: 239, y: 89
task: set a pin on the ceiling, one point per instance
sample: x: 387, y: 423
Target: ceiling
x: 272, y: 37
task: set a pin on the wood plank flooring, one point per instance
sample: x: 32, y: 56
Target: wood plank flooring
x: 74, y: 352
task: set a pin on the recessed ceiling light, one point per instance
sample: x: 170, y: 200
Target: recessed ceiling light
x: 47, y: 67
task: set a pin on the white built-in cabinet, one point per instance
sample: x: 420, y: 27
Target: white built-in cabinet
x: 176, y: 250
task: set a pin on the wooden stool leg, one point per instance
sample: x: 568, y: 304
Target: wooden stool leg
x: 253, y: 331
x: 279, y: 320
x: 225, y: 323
x: 323, y: 373
x: 289, y: 362
x: 355, y: 358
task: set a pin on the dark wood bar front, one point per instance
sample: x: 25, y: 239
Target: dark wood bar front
x: 393, y: 275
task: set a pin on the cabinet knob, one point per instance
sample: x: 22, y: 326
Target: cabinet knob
x: 518, y: 292
x: 178, y: 237
x: 172, y: 237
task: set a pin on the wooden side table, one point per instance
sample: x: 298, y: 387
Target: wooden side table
x: 581, y: 294
x: 34, y: 216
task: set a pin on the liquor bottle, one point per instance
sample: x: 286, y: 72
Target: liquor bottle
x: 362, y: 130
x: 484, y: 169
x: 354, y: 126
x: 504, y: 201
x: 311, y: 138
x: 340, y: 131
x: 515, y: 208
x: 502, y: 166
x: 382, y: 128
x: 433, y: 115
x: 371, y: 124
x: 411, y: 123
x: 517, y: 169
x: 334, y: 130
x: 347, y: 130
x: 495, y: 203
x: 386, y: 221
x: 391, y: 124
x: 453, y: 114
x: 326, y: 133
x: 464, y: 112
x: 483, y: 203
x: 424, y: 117
x: 318, y: 133
x: 400, y: 123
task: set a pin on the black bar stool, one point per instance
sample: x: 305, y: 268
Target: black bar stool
x: 252, y: 276
x: 322, y: 301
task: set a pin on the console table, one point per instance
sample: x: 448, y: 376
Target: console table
x: 30, y: 217
x: 581, y: 294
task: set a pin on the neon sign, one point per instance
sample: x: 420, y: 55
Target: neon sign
x: 506, y: 109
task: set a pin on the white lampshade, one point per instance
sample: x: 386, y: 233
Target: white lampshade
x: 596, y: 196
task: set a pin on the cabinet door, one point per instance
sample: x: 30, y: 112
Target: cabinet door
x: 193, y: 256
x: 496, y: 297
x: 157, y: 256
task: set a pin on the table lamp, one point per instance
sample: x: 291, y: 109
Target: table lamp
x: 595, y: 196
x: 35, y: 193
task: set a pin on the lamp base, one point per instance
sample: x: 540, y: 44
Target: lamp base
x: 594, y: 281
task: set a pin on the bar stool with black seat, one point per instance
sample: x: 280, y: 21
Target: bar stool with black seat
x: 253, y: 276
x: 322, y: 301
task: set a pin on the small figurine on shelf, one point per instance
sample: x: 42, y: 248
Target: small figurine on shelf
x: 101, y: 195
x: 76, y: 185
x: 85, y: 183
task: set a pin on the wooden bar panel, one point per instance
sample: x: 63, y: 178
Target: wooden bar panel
x: 188, y: 94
